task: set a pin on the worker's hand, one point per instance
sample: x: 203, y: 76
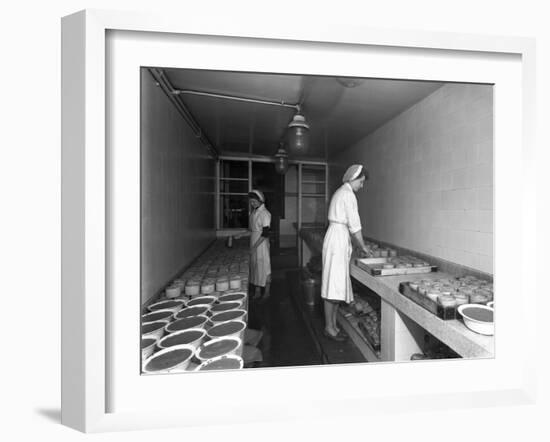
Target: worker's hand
x: 366, y: 252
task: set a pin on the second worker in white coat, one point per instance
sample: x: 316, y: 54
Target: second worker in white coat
x: 259, y: 225
x: 344, y: 225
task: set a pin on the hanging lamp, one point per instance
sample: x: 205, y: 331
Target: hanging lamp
x: 298, y: 135
x: 281, y: 160
x: 298, y: 129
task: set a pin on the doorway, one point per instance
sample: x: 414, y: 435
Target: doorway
x: 272, y: 184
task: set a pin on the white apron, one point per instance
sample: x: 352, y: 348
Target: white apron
x: 337, y: 251
x: 260, y: 262
x: 344, y: 220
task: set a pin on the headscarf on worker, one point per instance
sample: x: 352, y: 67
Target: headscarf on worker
x: 354, y: 172
x: 257, y: 195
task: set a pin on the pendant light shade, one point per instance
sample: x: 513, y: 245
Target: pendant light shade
x: 298, y: 135
x: 281, y: 161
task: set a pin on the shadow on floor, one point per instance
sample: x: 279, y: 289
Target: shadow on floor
x: 286, y: 341
x: 285, y: 258
x: 51, y: 414
x: 313, y: 317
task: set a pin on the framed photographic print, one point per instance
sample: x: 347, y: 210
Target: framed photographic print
x: 251, y: 211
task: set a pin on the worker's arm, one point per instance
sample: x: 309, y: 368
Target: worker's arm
x: 242, y: 234
x: 263, y: 237
x: 358, y: 239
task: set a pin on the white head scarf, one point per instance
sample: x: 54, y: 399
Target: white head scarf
x: 257, y: 194
x: 352, y: 173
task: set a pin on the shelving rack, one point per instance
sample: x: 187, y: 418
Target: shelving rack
x: 312, y: 184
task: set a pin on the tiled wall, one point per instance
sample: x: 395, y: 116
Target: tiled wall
x: 431, y: 177
x: 177, y: 191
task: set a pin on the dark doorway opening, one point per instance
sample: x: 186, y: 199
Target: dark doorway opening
x: 272, y: 184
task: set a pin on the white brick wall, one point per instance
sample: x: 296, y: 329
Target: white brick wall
x: 177, y: 198
x: 431, y: 168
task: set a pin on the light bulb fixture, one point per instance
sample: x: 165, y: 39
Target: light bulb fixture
x: 281, y: 161
x: 298, y: 134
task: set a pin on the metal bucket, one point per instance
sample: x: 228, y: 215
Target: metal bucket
x: 310, y: 290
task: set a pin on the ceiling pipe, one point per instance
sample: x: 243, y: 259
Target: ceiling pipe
x: 297, y: 129
x: 236, y: 98
x: 163, y: 82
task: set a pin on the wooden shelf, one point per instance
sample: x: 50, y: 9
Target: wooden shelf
x: 313, y: 182
x: 234, y: 179
x: 349, y: 324
x: 312, y: 168
x: 306, y: 195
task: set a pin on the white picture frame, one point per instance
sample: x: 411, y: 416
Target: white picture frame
x: 89, y: 318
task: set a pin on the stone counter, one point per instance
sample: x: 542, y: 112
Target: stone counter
x: 453, y: 333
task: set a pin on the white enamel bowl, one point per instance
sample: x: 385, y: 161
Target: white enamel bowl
x: 473, y: 322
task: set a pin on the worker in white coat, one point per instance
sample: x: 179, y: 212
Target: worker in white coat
x: 258, y: 229
x: 344, y: 225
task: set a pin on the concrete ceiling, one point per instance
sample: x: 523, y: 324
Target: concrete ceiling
x: 338, y: 116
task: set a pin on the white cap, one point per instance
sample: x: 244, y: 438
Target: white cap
x: 257, y: 194
x: 352, y: 173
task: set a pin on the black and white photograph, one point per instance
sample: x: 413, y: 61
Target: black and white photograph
x: 236, y: 221
x: 300, y: 220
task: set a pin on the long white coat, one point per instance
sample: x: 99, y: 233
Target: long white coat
x: 260, y: 262
x: 343, y: 216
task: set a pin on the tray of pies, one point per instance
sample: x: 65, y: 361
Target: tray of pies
x: 397, y: 265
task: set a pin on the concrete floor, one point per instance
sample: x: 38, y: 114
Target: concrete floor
x: 292, y: 330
